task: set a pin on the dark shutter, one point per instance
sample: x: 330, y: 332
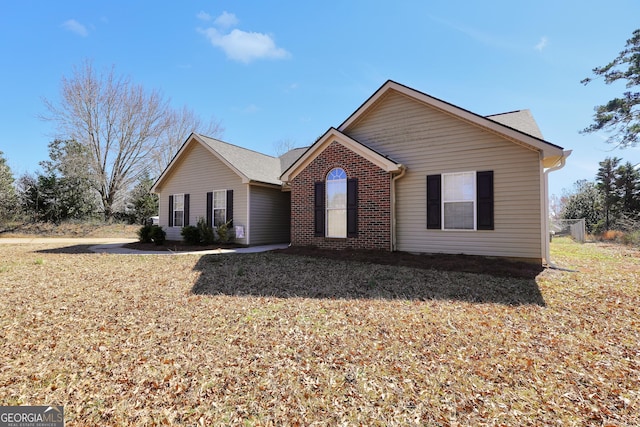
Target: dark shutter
x: 484, y: 205
x: 352, y: 208
x: 230, y: 207
x: 434, y: 202
x: 186, y: 210
x: 170, y: 211
x: 210, y: 209
x: 318, y: 209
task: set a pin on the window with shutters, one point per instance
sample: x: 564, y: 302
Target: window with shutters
x: 219, y: 207
x: 459, y: 201
x: 178, y: 210
x: 336, y: 203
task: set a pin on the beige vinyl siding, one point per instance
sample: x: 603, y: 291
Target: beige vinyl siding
x: 270, y: 214
x: 428, y: 141
x: 198, y: 172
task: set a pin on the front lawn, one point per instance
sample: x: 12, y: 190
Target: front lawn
x: 277, y: 339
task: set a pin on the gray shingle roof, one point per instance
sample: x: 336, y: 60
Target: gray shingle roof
x: 288, y: 158
x: 252, y: 164
x: 520, y: 120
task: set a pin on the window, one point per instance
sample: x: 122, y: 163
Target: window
x: 336, y: 202
x: 219, y: 207
x: 459, y: 200
x: 178, y: 210
x: 336, y: 206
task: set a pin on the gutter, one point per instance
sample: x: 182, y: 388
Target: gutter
x: 559, y: 165
x: 403, y: 171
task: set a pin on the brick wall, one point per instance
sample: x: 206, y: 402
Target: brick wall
x: 374, y: 201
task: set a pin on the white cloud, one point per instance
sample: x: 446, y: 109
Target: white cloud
x: 245, y: 46
x: 541, y: 44
x: 226, y: 20
x: 250, y: 109
x: 203, y: 16
x: 75, y: 27
x: 239, y: 45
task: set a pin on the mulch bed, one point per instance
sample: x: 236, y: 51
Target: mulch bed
x: 461, y: 263
x: 178, y: 246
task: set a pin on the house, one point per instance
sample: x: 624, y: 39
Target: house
x: 224, y: 183
x: 405, y: 172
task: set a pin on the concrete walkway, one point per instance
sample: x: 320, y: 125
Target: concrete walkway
x: 116, y: 248
x: 114, y: 245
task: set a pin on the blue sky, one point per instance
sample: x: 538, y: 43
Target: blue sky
x: 288, y: 70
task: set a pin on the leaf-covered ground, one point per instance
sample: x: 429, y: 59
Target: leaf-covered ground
x: 275, y: 339
x: 69, y: 229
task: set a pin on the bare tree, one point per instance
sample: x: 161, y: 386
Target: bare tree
x: 182, y: 124
x: 283, y: 146
x: 119, y: 122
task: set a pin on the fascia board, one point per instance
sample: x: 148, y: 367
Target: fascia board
x: 334, y: 135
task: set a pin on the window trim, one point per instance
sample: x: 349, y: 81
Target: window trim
x: 327, y: 208
x: 214, y: 209
x: 174, y: 210
x: 473, y: 200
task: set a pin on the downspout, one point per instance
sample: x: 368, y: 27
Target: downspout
x: 403, y: 171
x: 561, y: 162
x: 247, y: 231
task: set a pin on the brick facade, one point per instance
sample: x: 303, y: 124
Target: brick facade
x: 374, y: 201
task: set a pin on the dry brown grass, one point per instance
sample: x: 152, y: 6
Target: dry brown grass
x: 612, y: 235
x: 69, y: 229
x: 272, y: 339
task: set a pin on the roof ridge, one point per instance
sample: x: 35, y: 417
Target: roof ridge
x: 507, y: 112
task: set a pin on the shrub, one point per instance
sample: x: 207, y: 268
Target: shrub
x: 632, y: 238
x: 191, y: 235
x: 201, y: 234
x: 144, y: 234
x: 207, y: 236
x: 224, y: 236
x: 158, y: 235
x: 152, y: 233
x: 612, y: 235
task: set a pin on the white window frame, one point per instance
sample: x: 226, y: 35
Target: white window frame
x: 329, y: 209
x: 460, y: 197
x: 174, y: 210
x: 222, y: 207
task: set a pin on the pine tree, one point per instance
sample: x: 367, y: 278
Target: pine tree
x: 606, y: 179
x: 620, y: 116
x: 141, y: 203
x: 628, y: 185
x: 8, y: 196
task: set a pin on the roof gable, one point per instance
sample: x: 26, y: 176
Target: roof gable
x: 506, y: 126
x: 325, y: 140
x: 249, y: 165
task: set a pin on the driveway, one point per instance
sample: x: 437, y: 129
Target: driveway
x: 114, y: 245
